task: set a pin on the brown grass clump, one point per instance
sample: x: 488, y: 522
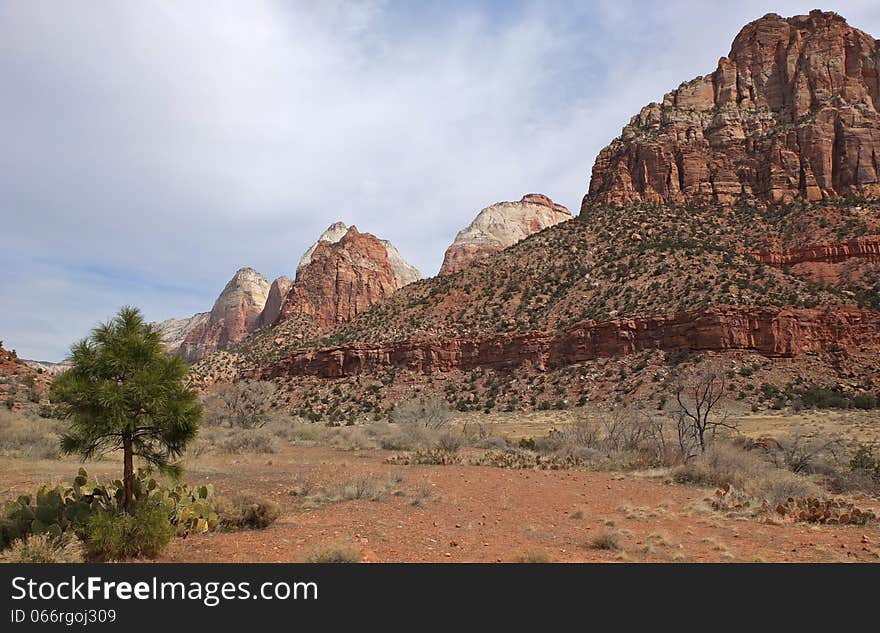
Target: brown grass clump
x: 606, y: 540
x: 333, y: 553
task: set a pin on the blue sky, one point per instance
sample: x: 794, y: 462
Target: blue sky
x: 151, y: 149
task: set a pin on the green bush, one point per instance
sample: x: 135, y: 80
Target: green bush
x: 865, y: 463
x: 111, y: 535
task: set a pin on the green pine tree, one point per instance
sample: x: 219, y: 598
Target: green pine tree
x: 124, y: 392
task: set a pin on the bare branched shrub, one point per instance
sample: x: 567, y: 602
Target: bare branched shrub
x: 430, y: 413
x: 699, y: 397
x: 583, y: 432
x: 800, y: 453
x: 243, y: 404
x: 625, y: 429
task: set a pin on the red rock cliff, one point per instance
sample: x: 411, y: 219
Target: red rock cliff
x: 791, y: 112
x: 773, y: 332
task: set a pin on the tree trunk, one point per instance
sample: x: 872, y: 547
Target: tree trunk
x: 127, y: 473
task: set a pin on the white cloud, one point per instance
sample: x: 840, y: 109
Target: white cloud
x: 176, y: 142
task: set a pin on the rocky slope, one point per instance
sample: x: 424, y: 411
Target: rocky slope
x: 501, y: 225
x: 234, y: 315
x: 21, y: 386
x: 790, y: 113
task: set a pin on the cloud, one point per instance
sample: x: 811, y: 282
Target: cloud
x: 152, y: 148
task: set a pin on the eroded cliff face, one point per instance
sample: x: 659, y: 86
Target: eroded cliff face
x: 791, y: 113
x: 772, y: 332
x: 341, y: 278
x: 865, y: 248
x: 235, y: 315
x: 501, y: 225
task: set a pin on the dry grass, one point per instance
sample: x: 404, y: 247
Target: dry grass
x: 370, y: 488
x: 333, y: 553
x: 39, y: 548
x: 748, y: 471
x: 533, y: 556
x: 28, y: 436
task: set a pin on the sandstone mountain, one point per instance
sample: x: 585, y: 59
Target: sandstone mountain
x: 340, y: 278
x: 501, y: 225
x: 790, y: 113
x: 683, y: 251
x: 404, y: 273
x: 235, y: 314
x: 174, y: 331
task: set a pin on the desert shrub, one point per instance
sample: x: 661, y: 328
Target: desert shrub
x: 308, y: 433
x: 492, y: 442
x: 605, y: 540
x: 333, y: 553
x: 248, y: 441
x: 111, y: 535
x: 865, y: 463
x: 583, y: 432
x: 803, y: 454
x: 449, y: 442
x: 749, y: 471
x: 240, y: 404
x: 775, y: 486
x: 246, y: 512
x: 431, y: 413
x: 722, y: 464
x: 43, y: 548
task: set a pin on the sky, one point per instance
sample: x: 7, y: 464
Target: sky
x: 150, y: 149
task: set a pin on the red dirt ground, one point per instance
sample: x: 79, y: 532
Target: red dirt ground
x: 478, y: 513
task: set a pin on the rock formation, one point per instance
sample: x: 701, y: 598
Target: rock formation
x: 403, y: 272
x: 773, y: 332
x: 499, y: 226
x: 791, y: 112
x: 235, y: 314
x: 277, y: 292
x: 174, y: 331
x: 342, y: 278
